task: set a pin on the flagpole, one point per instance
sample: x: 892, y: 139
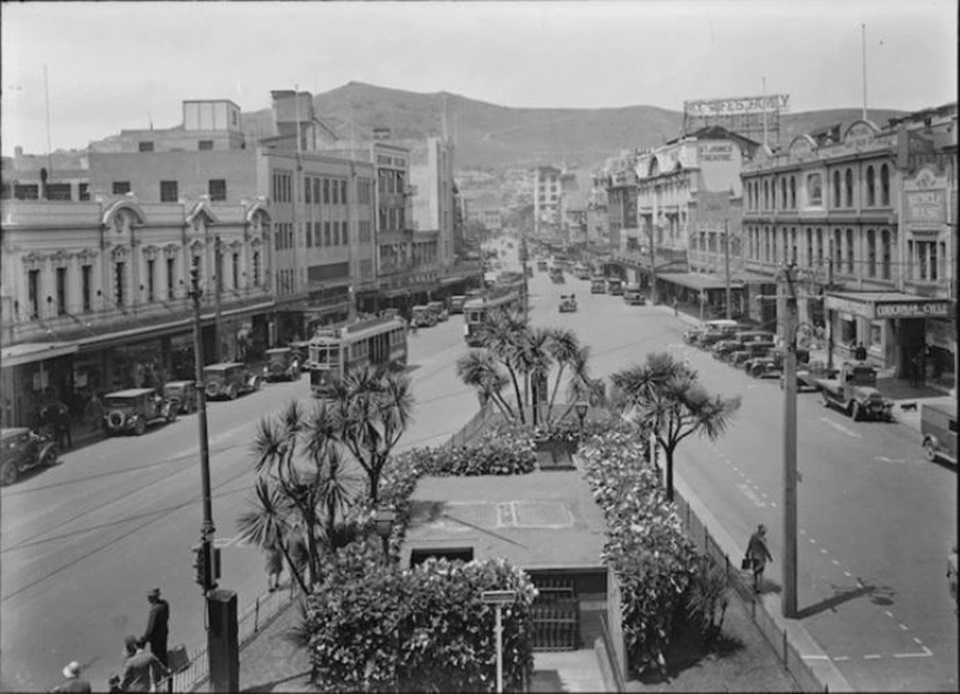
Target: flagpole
x: 863, y: 47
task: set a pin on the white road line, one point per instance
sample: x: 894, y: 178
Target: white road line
x: 812, y: 541
x: 835, y: 562
x: 885, y: 459
x: 823, y: 550
x: 888, y: 613
x: 917, y: 641
x: 773, y: 505
x: 841, y: 428
x: 848, y: 574
x: 926, y: 654
x: 903, y: 626
x: 840, y: 658
x: 872, y: 656
x: 815, y: 657
x: 803, y: 532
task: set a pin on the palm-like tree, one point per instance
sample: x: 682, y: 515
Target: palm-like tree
x: 478, y: 368
x: 565, y: 349
x: 503, y: 335
x: 665, y: 397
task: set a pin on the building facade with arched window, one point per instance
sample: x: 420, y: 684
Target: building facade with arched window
x: 873, y: 251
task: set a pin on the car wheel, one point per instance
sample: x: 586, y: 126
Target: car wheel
x: 929, y: 450
x: 9, y: 474
x: 856, y: 413
x: 172, y: 414
x: 231, y: 392
x: 139, y: 427
x: 824, y: 400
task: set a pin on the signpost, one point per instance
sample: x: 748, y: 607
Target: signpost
x: 499, y: 598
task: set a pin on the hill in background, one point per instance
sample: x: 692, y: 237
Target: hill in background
x: 499, y: 137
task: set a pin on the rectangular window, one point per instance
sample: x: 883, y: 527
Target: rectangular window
x: 343, y: 192
x: 326, y: 233
x: 236, y: 270
x: 83, y: 192
x: 151, y: 279
x: 26, y: 191
x: 335, y: 192
x: 326, y: 191
x: 119, y: 281
x: 814, y: 189
x: 168, y: 191
x: 171, y: 278
x: 307, y: 190
x: 217, y: 189
x: 145, y: 146
x: 309, y: 234
x: 256, y: 268
x: 316, y: 191
x: 203, y: 145
x: 33, y: 293
x: 59, y: 191
x: 121, y: 187
x: 61, y: 290
x: 86, y: 286
x: 346, y: 233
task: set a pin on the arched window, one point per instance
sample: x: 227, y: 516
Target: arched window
x: 783, y: 193
x: 885, y: 185
x: 820, y: 248
x: 850, y: 254
x: 809, y: 257
x: 871, y: 188
x: 848, y: 187
x: 838, y: 250
x: 871, y: 253
x: 766, y: 195
x: 836, y: 189
x: 793, y: 192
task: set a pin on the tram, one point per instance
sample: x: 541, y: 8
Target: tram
x: 475, y: 312
x: 335, y: 352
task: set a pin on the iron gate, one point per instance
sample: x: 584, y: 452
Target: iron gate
x: 556, y: 616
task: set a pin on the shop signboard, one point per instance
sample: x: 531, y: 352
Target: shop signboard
x: 851, y: 306
x: 912, y: 309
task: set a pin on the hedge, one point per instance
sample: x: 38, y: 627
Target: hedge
x: 376, y: 628
x: 646, y: 548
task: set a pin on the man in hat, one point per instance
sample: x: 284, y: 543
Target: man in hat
x: 759, y: 555
x: 156, y: 632
x: 73, y: 683
x: 141, y: 670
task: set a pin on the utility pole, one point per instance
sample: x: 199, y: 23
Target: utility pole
x: 206, y: 529
x: 726, y: 266
x: 788, y: 323
x: 217, y: 288
x: 826, y: 316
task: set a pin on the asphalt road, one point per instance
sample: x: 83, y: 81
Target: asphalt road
x: 876, y: 519
x: 82, y: 542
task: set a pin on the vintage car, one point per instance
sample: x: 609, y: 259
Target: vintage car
x: 228, y: 380
x: 598, y: 285
x: 748, y: 351
x: 938, y: 425
x: 556, y: 275
x: 581, y: 272
x: 422, y: 317
x: 456, y: 303
x: 694, y: 335
x: 633, y: 296
x: 22, y: 450
x: 568, y: 303
x: 283, y: 364
x: 439, y: 310
x: 615, y: 286
x: 132, y: 410
x: 184, y: 392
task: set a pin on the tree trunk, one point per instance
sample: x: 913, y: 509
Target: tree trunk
x: 668, y: 454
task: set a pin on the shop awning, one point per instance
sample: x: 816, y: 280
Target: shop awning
x: 888, y: 305
x: 31, y: 352
x: 697, y: 282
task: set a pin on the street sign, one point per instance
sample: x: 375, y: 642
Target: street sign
x: 498, y: 597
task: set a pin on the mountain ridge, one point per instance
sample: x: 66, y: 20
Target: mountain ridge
x: 488, y: 135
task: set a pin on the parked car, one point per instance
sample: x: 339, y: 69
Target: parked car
x: 633, y: 296
x: 694, y: 335
x: 439, y: 309
x: 598, y: 285
x: 228, y: 380
x: 542, y: 265
x: 22, y: 450
x: 422, y: 317
x: 615, y: 286
x: 748, y: 351
x: 184, y: 392
x: 938, y: 425
x: 133, y: 410
x: 568, y: 303
x: 283, y: 364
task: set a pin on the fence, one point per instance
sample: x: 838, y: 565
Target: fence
x: 742, y: 584
x: 252, y: 621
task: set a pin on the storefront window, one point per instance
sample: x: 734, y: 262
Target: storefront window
x: 848, y: 331
x: 876, y: 335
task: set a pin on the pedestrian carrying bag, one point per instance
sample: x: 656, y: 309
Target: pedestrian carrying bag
x: 746, y: 564
x: 177, y: 659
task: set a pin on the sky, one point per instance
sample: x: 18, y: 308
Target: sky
x: 108, y: 66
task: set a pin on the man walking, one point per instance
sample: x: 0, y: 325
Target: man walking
x: 759, y: 555
x: 61, y: 425
x: 157, y: 622
x: 142, y: 671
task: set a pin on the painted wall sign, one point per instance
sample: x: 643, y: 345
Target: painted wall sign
x: 926, y: 206
x: 856, y: 308
x: 737, y: 105
x: 912, y: 309
x: 715, y: 151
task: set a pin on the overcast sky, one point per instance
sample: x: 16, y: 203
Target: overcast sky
x: 115, y: 65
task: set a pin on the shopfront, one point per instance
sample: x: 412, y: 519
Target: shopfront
x: 33, y: 374
x: 895, y: 328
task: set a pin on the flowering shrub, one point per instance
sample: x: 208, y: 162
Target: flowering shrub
x: 374, y: 628
x: 653, y: 560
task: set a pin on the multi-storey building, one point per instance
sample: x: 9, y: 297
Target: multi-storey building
x: 546, y: 200
x: 95, y: 294
x: 866, y: 217
x: 619, y: 179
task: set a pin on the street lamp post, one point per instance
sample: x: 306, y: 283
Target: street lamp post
x: 581, y: 408
x: 383, y: 520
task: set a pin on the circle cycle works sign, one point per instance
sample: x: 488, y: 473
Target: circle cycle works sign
x: 910, y: 309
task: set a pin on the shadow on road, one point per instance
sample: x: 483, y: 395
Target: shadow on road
x: 879, y: 596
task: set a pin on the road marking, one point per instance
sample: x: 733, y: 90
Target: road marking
x: 885, y: 459
x: 848, y: 574
x: 917, y: 641
x: 812, y: 541
x: 835, y: 562
x: 772, y: 505
x: 903, y: 626
x: 926, y: 654
x: 841, y: 428
x: 840, y: 658
x: 802, y: 531
x: 749, y: 493
x: 823, y: 550
x: 888, y: 613
x: 872, y: 656
x: 815, y: 657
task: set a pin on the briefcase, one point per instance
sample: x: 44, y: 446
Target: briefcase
x: 177, y: 659
x: 746, y: 564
